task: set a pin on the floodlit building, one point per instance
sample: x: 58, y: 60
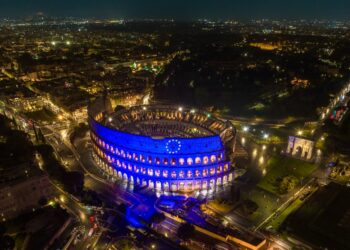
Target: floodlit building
x: 166, y: 148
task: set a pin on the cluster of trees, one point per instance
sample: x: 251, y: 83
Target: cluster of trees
x: 249, y: 206
x: 157, y: 218
x: 287, y: 184
x: 91, y: 198
x: 186, y: 231
x: 218, y: 74
x: 79, y: 131
x: 72, y: 181
x: 17, y: 147
x: 6, y: 241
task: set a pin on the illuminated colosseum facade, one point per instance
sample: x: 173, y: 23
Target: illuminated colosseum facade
x: 169, y: 149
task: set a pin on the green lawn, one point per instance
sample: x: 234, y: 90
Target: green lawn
x: 276, y: 223
x: 281, y: 166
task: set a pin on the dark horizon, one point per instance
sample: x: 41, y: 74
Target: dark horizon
x: 181, y: 10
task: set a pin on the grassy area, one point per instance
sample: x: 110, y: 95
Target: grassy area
x: 281, y: 166
x: 276, y: 223
x: 220, y: 206
x: 267, y: 204
x: 322, y: 219
x: 41, y: 115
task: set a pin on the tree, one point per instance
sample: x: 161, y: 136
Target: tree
x: 287, y: 184
x: 7, y: 242
x: 186, y: 231
x: 4, y: 124
x: 73, y: 181
x: 42, y: 201
x: 250, y: 206
x: 235, y: 193
x: 122, y: 208
x: 2, y: 230
x: 157, y: 218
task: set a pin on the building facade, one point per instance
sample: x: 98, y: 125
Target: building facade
x: 24, y: 195
x: 164, y: 148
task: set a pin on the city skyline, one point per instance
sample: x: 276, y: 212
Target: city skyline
x: 181, y: 10
x: 173, y: 125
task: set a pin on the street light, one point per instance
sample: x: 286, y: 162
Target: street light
x: 255, y: 152
x: 62, y: 198
x: 82, y: 216
x: 300, y: 132
x: 245, y: 129
x: 261, y: 160
x: 266, y: 136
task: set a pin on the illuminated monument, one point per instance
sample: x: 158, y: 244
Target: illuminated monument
x: 165, y: 148
x: 300, y: 148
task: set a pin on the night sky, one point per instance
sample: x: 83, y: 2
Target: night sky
x: 180, y: 9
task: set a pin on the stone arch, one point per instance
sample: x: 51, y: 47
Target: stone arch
x: 125, y: 177
x: 174, y: 186
x: 151, y: 184
x: 166, y: 186
x: 224, y: 179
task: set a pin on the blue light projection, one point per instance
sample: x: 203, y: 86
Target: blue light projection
x: 157, y: 145
x: 167, y: 164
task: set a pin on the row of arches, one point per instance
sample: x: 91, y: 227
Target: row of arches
x: 165, y: 173
x: 173, y: 161
x: 165, y: 185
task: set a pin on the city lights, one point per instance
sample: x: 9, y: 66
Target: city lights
x: 103, y: 150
